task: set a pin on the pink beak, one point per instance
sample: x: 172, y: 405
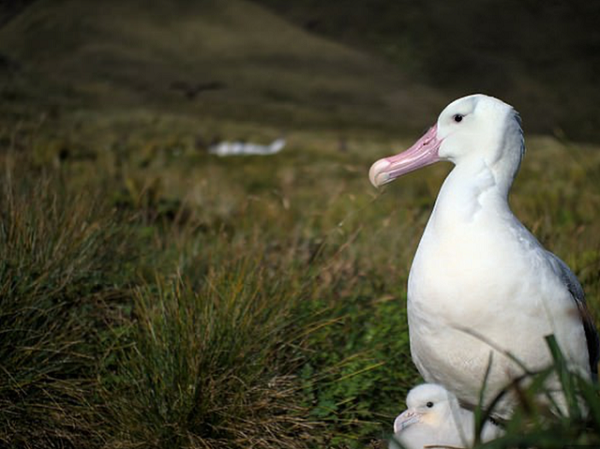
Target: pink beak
x: 424, y: 152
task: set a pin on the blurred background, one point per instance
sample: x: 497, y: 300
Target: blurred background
x: 154, y: 294
x: 302, y: 63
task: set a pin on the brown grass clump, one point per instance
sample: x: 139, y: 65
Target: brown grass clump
x: 60, y: 263
x: 211, y: 367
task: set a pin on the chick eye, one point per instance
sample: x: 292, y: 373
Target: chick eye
x: 457, y: 118
x: 429, y: 404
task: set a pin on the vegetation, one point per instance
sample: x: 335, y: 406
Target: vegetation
x: 214, y: 302
x: 208, y: 59
x: 154, y: 295
x: 64, y: 266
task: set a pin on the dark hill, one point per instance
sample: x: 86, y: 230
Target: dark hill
x: 542, y: 56
x: 378, y: 64
x: 228, y: 58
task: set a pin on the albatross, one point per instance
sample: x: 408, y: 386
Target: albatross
x: 247, y: 148
x: 435, y: 418
x: 482, y: 290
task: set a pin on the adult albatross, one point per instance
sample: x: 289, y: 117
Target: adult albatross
x: 481, y: 285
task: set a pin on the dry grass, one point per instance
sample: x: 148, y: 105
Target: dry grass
x: 268, y: 305
x: 153, y: 295
x: 212, y: 368
x: 63, y: 265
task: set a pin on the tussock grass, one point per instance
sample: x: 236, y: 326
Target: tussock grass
x: 214, y: 367
x: 62, y: 263
x: 268, y: 304
x: 152, y: 295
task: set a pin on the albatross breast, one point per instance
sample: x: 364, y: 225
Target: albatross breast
x: 480, y: 282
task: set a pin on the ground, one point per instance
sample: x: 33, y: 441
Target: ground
x: 156, y: 295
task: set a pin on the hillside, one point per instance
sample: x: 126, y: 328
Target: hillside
x: 542, y: 57
x: 226, y: 59
x: 155, y: 295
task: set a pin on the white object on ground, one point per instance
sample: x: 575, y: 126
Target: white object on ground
x: 246, y: 148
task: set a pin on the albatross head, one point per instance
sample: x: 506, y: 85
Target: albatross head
x: 427, y: 403
x: 474, y: 128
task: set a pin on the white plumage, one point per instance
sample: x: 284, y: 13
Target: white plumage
x: 480, y: 283
x: 247, y: 148
x: 434, y: 417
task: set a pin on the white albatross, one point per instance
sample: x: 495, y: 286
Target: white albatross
x: 434, y: 418
x: 247, y: 148
x: 480, y: 283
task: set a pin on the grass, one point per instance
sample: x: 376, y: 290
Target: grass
x: 64, y: 264
x: 206, y: 368
x: 153, y: 295
x: 103, y: 57
x: 207, y: 302
x: 186, y: 263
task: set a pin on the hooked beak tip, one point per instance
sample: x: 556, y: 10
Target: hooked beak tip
x: 424, y: 151
x: 377, y: 174
x: 405, y: 419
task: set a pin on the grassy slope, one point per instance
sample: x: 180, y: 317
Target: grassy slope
x: 119, y: 54
x: 540, y: 56
x: 271, y: 299
x: 296, y: 253
x: 95, y: 102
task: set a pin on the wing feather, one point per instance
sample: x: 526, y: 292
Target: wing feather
x: 591, y: 334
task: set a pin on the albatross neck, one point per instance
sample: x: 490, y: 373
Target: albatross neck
x: 475, y: 187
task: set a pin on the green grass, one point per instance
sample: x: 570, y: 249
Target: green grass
x: 207, y: 302
x: 106, y: 56
x: 212, y: 367
x: 153, y: 295
x: 64, y: 266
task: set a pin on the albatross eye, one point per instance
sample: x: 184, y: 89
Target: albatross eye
x: 457, y: 118
x: 429, y: 404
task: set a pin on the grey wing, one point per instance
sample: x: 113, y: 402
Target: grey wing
x: 591, y: 334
